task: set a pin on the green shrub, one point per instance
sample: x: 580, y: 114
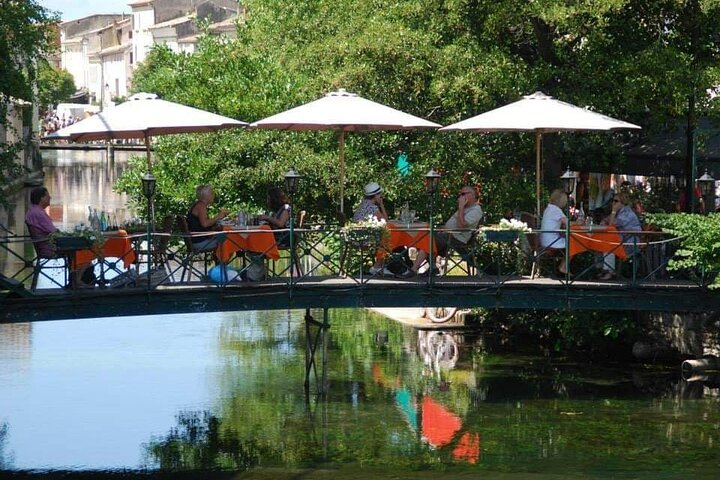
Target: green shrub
x: 699, y: 251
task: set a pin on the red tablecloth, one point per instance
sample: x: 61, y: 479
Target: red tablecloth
x: 410, y: 235
x: 116, y: 245
x: 257, y: 239
x: 602, y: 238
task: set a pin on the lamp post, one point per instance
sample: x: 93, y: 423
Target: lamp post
x: 432, y: 180
x: 148, y: 188
x: 568, y: 182
x: 292, y: 179
x: 707, y: 189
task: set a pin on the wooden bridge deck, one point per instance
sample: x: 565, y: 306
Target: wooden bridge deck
x: 333, y: 292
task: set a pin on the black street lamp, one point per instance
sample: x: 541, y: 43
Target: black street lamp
x: 432, y: 181
x: 707, y: 189
x: 568, y: 182
x: 148, y: 185
x: 148, y: 188
x: 292, y: 181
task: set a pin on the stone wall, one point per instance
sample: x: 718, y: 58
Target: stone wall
x: 684, y: 335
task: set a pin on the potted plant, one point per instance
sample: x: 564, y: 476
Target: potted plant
x: 78, y: 239
x: 367, y: 233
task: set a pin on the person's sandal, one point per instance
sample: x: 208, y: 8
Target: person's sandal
x: 563, y: 275
x: 606, y: 275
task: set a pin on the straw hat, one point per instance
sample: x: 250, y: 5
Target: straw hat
x: 372, y: 189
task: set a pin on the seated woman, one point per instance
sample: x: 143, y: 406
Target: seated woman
x: 279, y: 203
x: 554, y: 219
x: 626, y: 221
x: 373, y: 205
x: 198, y: 219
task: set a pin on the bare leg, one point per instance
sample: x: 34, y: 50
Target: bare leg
x: 419, y: 260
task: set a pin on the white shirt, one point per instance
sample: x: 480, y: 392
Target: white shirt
x: 472, y: 214
x: 552, y: 220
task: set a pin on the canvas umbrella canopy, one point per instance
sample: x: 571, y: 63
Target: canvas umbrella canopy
x: 144, y: 115
x: 345, y: 112
x: 541, y: 114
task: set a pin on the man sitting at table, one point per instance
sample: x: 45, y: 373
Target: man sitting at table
x: 459, y: 228
x: 198, y: 219
x: 40, y: 226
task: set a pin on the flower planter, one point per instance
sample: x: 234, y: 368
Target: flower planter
x: 500, y: 235
x: 362, y: 237
x: 72, y: 243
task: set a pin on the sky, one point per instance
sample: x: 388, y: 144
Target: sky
x: 72, y: 9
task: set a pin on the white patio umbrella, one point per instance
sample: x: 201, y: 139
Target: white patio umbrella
x: 540, y: 113
x: 144, y: 115
x: 345, y: 112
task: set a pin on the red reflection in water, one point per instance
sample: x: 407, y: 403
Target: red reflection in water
x: 439, y: 425
x: 468, y: 448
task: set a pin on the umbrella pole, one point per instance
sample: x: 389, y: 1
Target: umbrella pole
x: 342, y: 171
x: 147, y: 151
x: 538, y: 171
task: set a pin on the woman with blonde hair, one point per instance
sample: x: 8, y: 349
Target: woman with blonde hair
x: 554, y: 223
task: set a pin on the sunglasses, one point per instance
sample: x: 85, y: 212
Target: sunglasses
x: 463, y: 193
x: 615, y: 200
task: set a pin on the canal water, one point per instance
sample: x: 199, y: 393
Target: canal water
x: 224, y: 391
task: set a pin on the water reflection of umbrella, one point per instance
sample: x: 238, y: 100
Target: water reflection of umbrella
x: 540, y: 113
x: 345, y: 112
x: 144, y: 115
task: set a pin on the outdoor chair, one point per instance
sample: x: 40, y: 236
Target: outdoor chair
x: 540, y: 257
x: 462, y: 257
x: 193, y: 254
x: 161, y: 256
x: 57, y: 262
x: 283, y: 245
x: 347, y: 246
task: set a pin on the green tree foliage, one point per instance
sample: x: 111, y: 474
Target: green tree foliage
x: 699, y: 252
x: 25, y: 36
x: 55, y: 85
x: 436, y: 59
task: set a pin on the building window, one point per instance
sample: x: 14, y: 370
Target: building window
x: 130, y: 34
x: 131, y: 58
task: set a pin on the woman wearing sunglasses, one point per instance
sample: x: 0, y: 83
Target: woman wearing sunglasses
x: 627, y: 223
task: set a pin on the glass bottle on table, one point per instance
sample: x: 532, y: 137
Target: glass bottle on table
x: 103, y: 221
x: 581, y: 214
